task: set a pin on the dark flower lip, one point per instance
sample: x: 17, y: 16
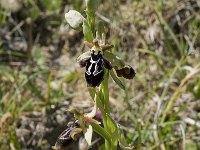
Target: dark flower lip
x: 83, y: 62
x: 107, y: 59
x: 107, y: 64
x: 94, y: 81
x: 65, y: 139
x: 127, y: 72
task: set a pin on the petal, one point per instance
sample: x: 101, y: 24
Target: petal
x: 84, y: 62
x: 88, y: 135
x: 107, y: 64
x: 75, y: 133
x: 84, y: 56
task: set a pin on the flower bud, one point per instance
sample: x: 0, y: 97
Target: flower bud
x: 74, y: 19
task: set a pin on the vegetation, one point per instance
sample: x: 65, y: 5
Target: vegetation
x: 40, y: 78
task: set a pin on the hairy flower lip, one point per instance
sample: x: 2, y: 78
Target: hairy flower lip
x: 66, y: 138
x: 110, y: 61
x: 127, y: 72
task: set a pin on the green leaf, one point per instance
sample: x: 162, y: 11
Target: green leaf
x: 100, y: 29
x: 117, y: 80
x: 101, y: 131
x: 87, y: 32
x: 96, y: 96
x: 112, y: 129
x: 92, y: 92
x: 111, y: 124
x: 99, y: 102
x: 122, y: 140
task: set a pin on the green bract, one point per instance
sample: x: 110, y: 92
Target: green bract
x: 87, y: 31
x: 92, y: 5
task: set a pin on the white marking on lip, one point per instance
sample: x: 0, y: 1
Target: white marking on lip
x: 96, y: 72
x: 96, y: 67
x: 65, y: 134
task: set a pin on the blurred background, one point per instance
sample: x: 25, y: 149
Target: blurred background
x: 40, y: 78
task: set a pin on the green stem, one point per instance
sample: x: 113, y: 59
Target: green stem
x: 106, y: 93
x: 105, y: 90
x: 91, y: 21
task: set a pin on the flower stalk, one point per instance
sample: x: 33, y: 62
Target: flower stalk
x: 99, y: 63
